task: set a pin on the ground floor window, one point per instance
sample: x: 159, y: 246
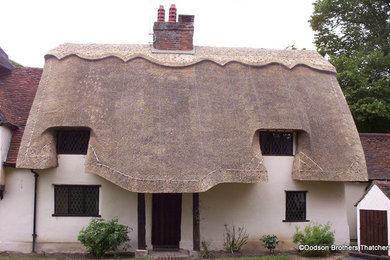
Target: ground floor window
x: 76, y: 200
x: 295, y: 206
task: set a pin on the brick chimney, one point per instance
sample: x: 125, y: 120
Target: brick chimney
x: 173, y: 36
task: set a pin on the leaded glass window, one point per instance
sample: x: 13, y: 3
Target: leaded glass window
x: 276, y: 143
x: 295, y: 206
x: 76, y: 200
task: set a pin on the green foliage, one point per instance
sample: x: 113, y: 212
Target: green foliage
x: 101, y: 236
x: 342, y: 26
x: 205, y: 249
x: 16, y: 64
x: 270, y: 242
x: 234, y: 239
x: 314, y: 235
x: 355, y: 35
x: 364, y: 79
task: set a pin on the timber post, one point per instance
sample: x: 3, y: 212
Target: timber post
x: 141, y: 221
x: 195, y: 216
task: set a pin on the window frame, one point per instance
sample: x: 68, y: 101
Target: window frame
x: 286, y: 219
x: 69, y: 201
x: 280, y: 133
x: 59, y: 142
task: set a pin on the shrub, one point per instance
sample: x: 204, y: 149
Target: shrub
x: 270, y: 242
x: 101, y: 236
x: 234, y: 239
x: 205, y: 249
x: 314, y: 236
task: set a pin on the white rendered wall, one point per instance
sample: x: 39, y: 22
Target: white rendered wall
x: 57, y: 234
x: 375, y: 199
x: 16, y: 211
x: 260, y: 208
x: 5, y: 140
x: 353, y: 193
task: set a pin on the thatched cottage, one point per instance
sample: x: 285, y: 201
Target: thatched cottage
x: 178, y: 140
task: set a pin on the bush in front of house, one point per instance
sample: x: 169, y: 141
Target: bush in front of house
x: 270, y: 242
x: 205, y: 251
x: 101, y: 236
x: 234, y: 239
x: 314, y: 240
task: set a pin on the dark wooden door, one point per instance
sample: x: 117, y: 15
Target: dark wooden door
x: 373, y: 230
x: 166, y: 221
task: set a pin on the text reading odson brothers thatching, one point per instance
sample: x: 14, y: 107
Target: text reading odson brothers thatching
x: 343, y: 248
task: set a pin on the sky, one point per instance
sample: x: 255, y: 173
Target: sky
x: 29, y: 29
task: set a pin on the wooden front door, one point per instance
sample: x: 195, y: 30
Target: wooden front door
x: 166, y: 221
x: 373, y: 230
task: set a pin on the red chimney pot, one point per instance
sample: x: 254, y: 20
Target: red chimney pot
x: 161, y: 14
x: 172, y: 13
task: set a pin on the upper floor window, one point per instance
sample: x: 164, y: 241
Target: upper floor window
x: 72, y: 141
x: 276, y: 143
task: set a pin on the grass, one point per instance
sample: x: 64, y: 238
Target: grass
x: 259, y: 258
x: 47, y: 258
x: 241, y: 258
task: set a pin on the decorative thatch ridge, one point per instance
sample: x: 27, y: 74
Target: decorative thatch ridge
x: 219, y: 55
x: 160, y: 128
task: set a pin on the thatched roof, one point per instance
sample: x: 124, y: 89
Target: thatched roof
x: 221, y: 56
x: 184, y: 123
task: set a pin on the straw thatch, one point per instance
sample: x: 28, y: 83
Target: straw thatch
x: 184, y: 123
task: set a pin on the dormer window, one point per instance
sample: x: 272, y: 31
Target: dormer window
x: 276, y: 143
x: 72, y: 141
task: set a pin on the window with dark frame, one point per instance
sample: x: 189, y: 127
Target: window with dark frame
x: 72, y: 141
x: 295, y: 206
x: 76, y: 200
x: 276, y: 143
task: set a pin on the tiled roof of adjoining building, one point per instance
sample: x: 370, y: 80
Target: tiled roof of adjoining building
x: 17, y: 92
x: 377, y: 152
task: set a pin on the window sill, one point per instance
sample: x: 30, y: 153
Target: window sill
x: 295, y: 220
x: 74, y: 215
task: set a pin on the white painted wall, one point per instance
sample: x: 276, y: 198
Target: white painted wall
x: 260, y: 208
x: 16, y: 211
x: 375, y: 199
x: 57, y: 233
x: 353, y: 193
x: 5, y: 140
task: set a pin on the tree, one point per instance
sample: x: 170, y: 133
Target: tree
x: 355, y: 36
x: 16, y: 64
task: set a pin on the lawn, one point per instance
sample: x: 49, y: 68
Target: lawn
x: 241, y: 258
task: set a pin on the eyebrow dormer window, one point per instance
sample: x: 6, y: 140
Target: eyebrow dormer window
x: 72, y: 141
x: 276, y: 143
